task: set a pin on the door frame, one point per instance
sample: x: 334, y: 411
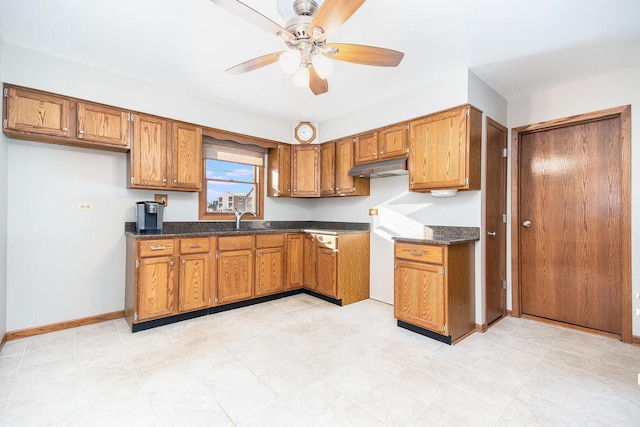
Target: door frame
x: 624, y: 114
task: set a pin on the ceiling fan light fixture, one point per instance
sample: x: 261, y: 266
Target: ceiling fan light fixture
x: 322, y: 65
x: 290, y: 60
x: 301, y: 77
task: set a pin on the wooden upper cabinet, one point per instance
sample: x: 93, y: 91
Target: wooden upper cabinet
x: 148, y: 157
x: 106, y: 125
x: 306, y: 171
x: 392, y: 142
x: 279, y: 171
x: 366, y: 147
x: 444, y: 150
x: 35, y: 112
x: 347, y: 185
x: 327, y: 169
x: 186, y: 153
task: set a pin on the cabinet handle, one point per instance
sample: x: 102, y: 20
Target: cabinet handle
x: 81, y: 132
x: 192, y: 246
x: 414, y: 252
x: 157, y: 248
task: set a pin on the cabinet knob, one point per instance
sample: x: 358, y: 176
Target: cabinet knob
x: 64, y: 129
x: 382, y: 152
x: 164, y: 179
x: 175, y: 181
x: 184, y: 262
x: 81, y: 132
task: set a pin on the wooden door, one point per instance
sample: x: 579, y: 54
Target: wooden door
x: 33, y: 111
x: 269, y: 271
x: 194, y: 282
x: 295, y: 261
x: 327, y: 268
x: 107, y: 125
x: 495, y: 223
x: 306, y: 171
x: 149, y: 152
x: 155, y: 288
x: 420, y: 295
x: 235, y: 275
x: 570, y: 209
x: 366, y: 147
x: 186, y: 153
x: 392, y: 142
x: 309, y: 273
x: 327, y: 169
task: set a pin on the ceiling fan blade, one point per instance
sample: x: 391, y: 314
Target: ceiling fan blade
x: 317, y: 85
x: 251, y: 15
x: 255, y: 63
x: 332, y: 14
x: 367, y: 55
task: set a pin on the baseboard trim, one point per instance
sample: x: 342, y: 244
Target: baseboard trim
x: 29, y: 332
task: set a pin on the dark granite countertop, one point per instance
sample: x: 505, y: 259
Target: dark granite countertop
x: 227, y: 228
x: 443, y: 235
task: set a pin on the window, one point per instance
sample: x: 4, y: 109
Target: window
x: 232, y: 179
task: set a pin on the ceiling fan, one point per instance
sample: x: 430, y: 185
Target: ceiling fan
x: 309, y: 56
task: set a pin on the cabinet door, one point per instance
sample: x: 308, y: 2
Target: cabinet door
x: 344, y: 163
x: 269, y: 271
x: 186, y: 153
x: 148, y: 161
x: 306, y: 171
x: 366, y: 147
x: 327, y: 264
x: 36, y: 112
x: 327, y: 169
x: 279, y: 171
x: 155, y: 288
x: 392, y: 142
x: 437, y: 154
x: 420, y: 295
x: 235, y: 275
x: 295, y: 261
x: 309, y: 273
x: 97, y: 123
x: 194, y: 282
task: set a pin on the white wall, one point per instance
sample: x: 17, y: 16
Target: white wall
x: 607, y: 91
x: 62, y: 263
x: 3, y: 220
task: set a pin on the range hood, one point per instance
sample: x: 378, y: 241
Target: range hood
x: 381, y: 169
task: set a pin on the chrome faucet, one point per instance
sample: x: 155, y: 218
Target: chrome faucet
x: 239, y: 217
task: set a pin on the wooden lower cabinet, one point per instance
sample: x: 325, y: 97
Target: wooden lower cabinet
x: 309, y: 262
x: 326, y: 269
x: 294, y: 269
x: 434, y: 288
x: 235, y: 268
x: 269, y: 264
x: 195, y: 274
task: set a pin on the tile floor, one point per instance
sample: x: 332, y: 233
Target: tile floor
x: 300, y: 361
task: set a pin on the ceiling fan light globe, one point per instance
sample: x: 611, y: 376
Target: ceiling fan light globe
x: 301, y: 77
x: 290, y: 60
x: 322, y: 65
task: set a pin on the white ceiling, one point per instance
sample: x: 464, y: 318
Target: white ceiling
x: 516, y: 46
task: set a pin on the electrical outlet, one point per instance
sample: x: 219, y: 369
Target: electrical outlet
x: 373, y: 212
x: 85, y: 206
x: 161, y: 198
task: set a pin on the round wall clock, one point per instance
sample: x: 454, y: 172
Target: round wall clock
x: 305, y: 132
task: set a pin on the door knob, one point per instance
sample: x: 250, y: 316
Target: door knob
x: 491, y: 233
x: 527, y: 223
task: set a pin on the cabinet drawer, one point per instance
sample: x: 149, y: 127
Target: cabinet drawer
x: 230, y: 243
x: 327, y: 241
x: 269, y: 240
x: 148, y: 248
x: 421, y: 253
x: 194, y: 245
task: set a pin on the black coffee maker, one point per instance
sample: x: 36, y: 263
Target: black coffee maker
x: 149, y: 217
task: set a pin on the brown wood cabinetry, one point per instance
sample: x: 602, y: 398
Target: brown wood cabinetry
x: 327, y: 169
x: 346, y: 185
x: 99, y: 123
x: 195, y: 273
x: 269, y: 264
x: 309, y: 262
x: 326, y: 269
x: 235, y: 265
x: 154, y: 280
x: 445, y: 150
x: 305, y: 171
x: 294, y: 261
x: 279, y: 171
x: 36, y: 113
x: 186, y: 155
x: 385, y: 143
x: 434, y: 288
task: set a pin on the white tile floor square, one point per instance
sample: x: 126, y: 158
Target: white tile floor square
x: 301, y: 361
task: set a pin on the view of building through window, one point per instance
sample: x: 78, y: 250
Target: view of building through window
x: 230, y: 186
